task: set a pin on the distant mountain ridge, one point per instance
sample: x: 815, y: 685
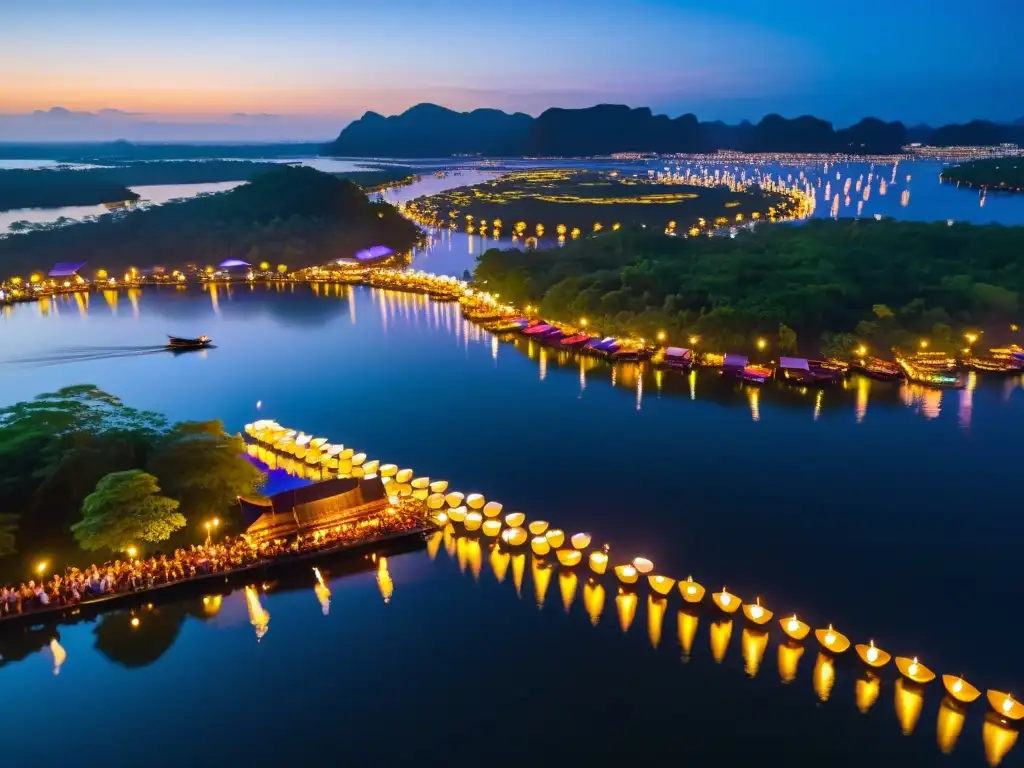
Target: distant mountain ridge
x: 428, y: 130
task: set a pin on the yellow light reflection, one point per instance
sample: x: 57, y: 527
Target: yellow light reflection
x: 867, y: 690
x: 721, y: 632
x: 541, y: 573
x: 909, y: 701
x: 950, y: 724
x: 625, y: 602
x: 655, y: 619
x: 998, y: 738
x: 824, y: 676
x: 499, y: 560
x: 687, y: 630
x: 754, y: 642
x: 789, y: 660
x: 567, y: 583
x: 434, y: 544
x: 593, y: 599
x: 518, y: 569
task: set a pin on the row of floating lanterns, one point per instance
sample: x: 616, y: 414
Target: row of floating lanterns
x: 999, y: 737
x: 476, y: 514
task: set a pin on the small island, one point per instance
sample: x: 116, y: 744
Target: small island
x: 63, y: 185
x: 1001, y: 173
x: 292, y: 215
x: 575, y: 202
x: 824, y: 287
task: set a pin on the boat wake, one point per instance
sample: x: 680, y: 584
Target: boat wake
x: 82, y: 354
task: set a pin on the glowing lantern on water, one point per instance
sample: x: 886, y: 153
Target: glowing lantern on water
x: 626, y: 574
x: 726, y: 601
x: 794, y: 628
x: 537, y: 527
x: 643, y: 565
x: 757, y: 613
x: 1005, y: 705
x: 440, y: 517
x: 540, y: 545
x: 960, y: 689
x: 492, y: 509
x: 569, y: 557
x: 439, y: 486
x: 454, y: 499
x: 556, y: 537
x: 661, y: 584
x: 691, y: 591
x: 514, y: 537
x: 832, y: 641
x: 472, y: 521
x: 515, y: 519
x: 871, y: 655
x: 580, y: 540
x: 388, y: 470
x: 491, y: 527
x: 421, y: 483
x: 475, y: 501
x: 914, y: 670
x: 457, y: 514
x: 598, y: 562
x: 435, y: 501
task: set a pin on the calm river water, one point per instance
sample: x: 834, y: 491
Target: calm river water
x: 889, y: 511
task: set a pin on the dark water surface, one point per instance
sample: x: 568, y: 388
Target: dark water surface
x: 892, y: 512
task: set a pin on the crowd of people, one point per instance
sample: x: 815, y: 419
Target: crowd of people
x: 136, y: 574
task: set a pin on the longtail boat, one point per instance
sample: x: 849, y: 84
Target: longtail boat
x: 178, y: 343
x: 876, y: 368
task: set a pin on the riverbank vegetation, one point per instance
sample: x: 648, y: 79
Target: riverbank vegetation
x: 64, y: 186
x: 821, y: 287
x: 78, y: 465
x: 292, y: 215
x: 572, y: 202
x: 1001, y: 173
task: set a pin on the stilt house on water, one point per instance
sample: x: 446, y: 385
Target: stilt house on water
x: 313, y: 507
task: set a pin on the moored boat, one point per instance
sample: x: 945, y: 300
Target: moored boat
x: 575, y: 340
x: 803, y: 372
x: 676, y: 358
x: 876, y: 368
x: 933, y: 369
x: 1007, y: 361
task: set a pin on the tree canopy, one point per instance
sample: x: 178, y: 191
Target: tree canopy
x: 887, y: 282
x: 1000, y: 173
x: 292, y: 214
x: 126, y: 507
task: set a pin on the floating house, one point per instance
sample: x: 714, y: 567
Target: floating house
x: 66, y: 270
x: 313, y: 507
x: 676, y: 357
x: 733, y: 364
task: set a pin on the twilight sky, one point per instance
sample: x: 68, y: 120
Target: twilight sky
x: 294, y: 69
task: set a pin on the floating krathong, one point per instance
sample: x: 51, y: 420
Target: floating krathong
x: 457, y: 514
x: 626, y: 574
x: 661, y: 584
x: 403, y: 476
x: 540, y: 546
x: 537, y: 527
x: 831, y: 640
x: 491, y: 527
x: 388, y: 470
x: 580, y: 540
x: 960, y: 689
x: 514, y: 537
x: 439, y: 486
x: 454, y: 499
x: 794, y: 628
x: 569, y: 557
x: 726, y: 601
x: 492, y: 509
x: 643, y: 565
x: 421, y: 483
x: 914, y: 670
x: 475, y: 501
x: 599, y: 562
x: 370, y: 467
x: 1005, y: 705
x: 358, y: 459
x: 872, y: 655
x: 556, y: 538
x: 435, y: 501
x: 515, y: 519
x: 757, y: 613
x: 440, y: 517
x: 691, y: 591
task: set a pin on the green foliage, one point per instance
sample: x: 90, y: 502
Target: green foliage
x: 202, y: 467
x: 999, y: 172
x: 292, y: 214
x: 787, y: 338
x: 126, y: 507
x: 8, y: 527
x: 837, y: 277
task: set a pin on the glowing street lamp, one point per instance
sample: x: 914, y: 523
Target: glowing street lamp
x: 583, y: 322
x: 694, y: 340
x: 971, y: 337
x: 862, y: 350
x: 923, y: 343
x: 761, y: 344
x: 41, y: 567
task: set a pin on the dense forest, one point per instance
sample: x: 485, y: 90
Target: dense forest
x: 81, y: 454
x: 428, y: 130
x: 820, y: 286
x: 292, y: 215
x: 56, y: 187
x: 1001, y: 173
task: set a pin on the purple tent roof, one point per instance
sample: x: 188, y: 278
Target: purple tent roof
x: 234, y: 263
x: 66, y: 269
x: 374, y: 252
